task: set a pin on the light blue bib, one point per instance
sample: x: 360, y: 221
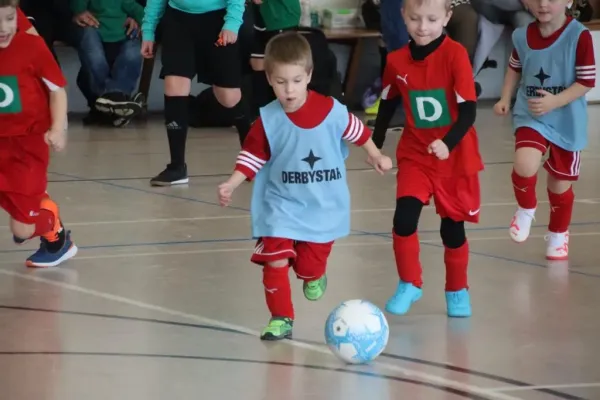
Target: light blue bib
x: 301, y: 193
x: 553, y: 70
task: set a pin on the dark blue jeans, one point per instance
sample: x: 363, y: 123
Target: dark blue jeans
x: 107, y: 67
x: 393, y: 28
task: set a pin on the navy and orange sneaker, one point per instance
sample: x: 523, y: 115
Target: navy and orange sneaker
x: 56, y: 246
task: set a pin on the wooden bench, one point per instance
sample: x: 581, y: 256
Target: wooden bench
x: 356, y: 38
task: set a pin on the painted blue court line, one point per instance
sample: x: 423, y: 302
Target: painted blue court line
x: 382, y: 235
x: 150, y: 244
x: 493, y: 256
x: 236, y: 240
x: 215, y: 175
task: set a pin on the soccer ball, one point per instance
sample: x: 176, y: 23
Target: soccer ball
x: 356, y: 331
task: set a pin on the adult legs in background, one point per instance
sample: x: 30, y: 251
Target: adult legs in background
x: 98, y: 80
x: 125, y: 62
x: 395, y: 36
x: 393, y: 28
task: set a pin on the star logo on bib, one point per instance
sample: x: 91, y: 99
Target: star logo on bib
x: 311, y: 159
x: 542, y: 76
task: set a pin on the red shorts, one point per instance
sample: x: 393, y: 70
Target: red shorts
x: 456, y: 198
x: 561, y: 164
x: 309, y: 260
x: 23, y: 176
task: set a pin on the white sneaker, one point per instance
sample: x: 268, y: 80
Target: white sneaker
x: 521, y: 224
x: 558, y: 246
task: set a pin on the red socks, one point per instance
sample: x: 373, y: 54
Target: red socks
x: 406, y: 251
x: 278, y: 292
x: 524, y: 190
x: 561, y: 209
x: 457, y: 261
x: 561, y: 205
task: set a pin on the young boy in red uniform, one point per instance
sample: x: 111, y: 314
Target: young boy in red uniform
x: 553, y: 63
x: 295, y: 154
x: 33, y: 115
x: 438, y: 153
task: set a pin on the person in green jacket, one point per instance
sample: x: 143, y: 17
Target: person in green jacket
x: 109, y: 51
x: 271, y: 17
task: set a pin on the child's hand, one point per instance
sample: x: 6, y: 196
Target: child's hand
x: 542, y: 105
x: 57, y: 139
x: 225, y: 192
x: 502, y: 107
x: 380, y: 163
x: 226, y: 37
x: 147, y: 49
x: 439, y: 149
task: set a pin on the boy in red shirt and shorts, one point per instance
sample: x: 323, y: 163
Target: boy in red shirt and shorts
x: 33, y: 115
x: 438, y: 153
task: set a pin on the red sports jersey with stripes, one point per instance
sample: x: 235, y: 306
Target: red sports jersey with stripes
x: 431, y: 90
x: 256, y: 152
x: 28, y: 73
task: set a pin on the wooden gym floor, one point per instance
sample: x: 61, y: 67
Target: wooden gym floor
x: 163, y: 303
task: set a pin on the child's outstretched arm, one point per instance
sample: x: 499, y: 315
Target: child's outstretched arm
x: 254, y: 155
x: 511, y: 79
x: 380, y: 162
x: 49, y: 73
x: 357, y: 133
x: 57, y: 135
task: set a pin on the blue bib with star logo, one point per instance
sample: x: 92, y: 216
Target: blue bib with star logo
x: 551, y: 69
x: 301, y: 193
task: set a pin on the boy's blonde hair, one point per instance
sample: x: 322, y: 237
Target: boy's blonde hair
x: 418, y: 3
x: 288, y: 48
x: 9, y: 3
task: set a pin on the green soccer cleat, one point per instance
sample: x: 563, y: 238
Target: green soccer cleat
x: 279, y: 328
x: 314, y: 290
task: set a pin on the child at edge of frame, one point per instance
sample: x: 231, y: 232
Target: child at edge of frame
x: 33, y: 116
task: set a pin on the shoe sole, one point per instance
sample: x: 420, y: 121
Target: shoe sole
x: 127, y: 109
x: 271, y: 338
x: 164, y: 184
x: 72, y: 252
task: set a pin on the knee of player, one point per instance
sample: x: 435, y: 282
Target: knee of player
x: 21, y: 230
x: 257, y: 64
x: 177, y: 86
x: 453, y: 233
x: 527, y: 161
x: 558, y: 186
x: 406, y: 216
x: 227, y: 97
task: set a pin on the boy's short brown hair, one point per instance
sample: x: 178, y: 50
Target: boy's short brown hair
x: 447, y: 3
x: 9, y: 3
x: 288, y: 48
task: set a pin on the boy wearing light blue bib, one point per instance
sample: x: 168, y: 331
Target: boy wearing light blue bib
x: 295, y: 153
x: 553, y: 60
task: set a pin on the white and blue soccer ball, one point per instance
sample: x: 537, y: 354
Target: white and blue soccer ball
x: 356, y: 331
